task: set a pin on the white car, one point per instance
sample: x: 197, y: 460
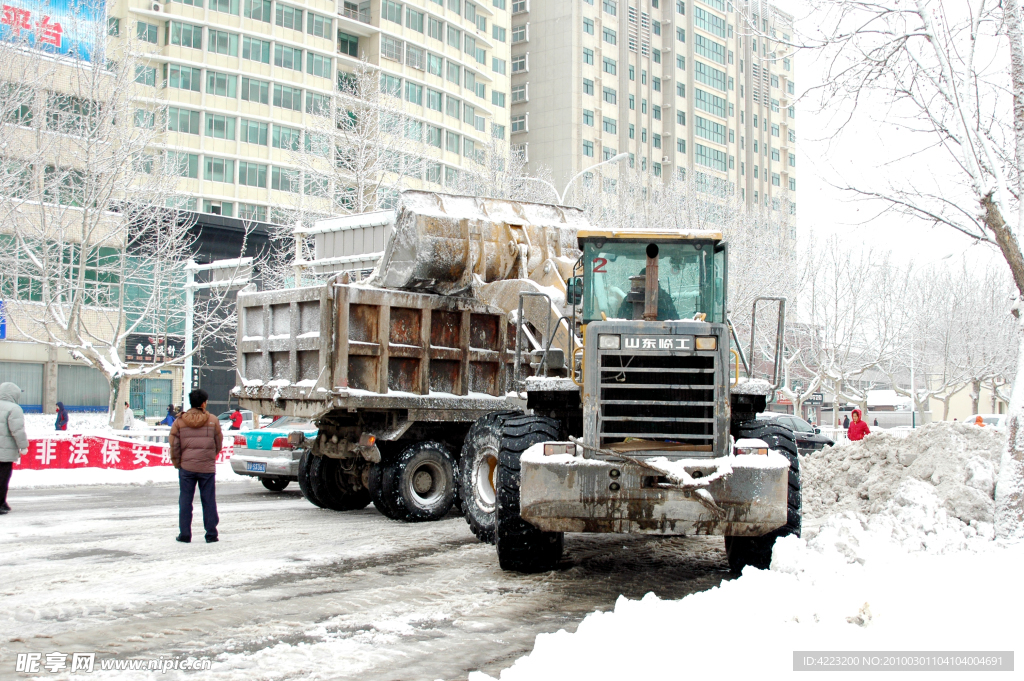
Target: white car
x: 225, y: 420
x: 997, y: 421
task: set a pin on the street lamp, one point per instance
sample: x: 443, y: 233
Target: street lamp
x: 561, y: 196
x: 224, y: 273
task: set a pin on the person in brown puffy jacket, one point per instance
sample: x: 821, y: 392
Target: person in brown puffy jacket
x: 195, y: 441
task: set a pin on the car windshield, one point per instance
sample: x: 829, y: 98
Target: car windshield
x: 290, y: 423
x: 802, y: 426
x: 690, y: 280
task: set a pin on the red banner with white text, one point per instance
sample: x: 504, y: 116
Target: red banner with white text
x: 90, y: 451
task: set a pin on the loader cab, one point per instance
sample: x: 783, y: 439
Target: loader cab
x: 691, y: 275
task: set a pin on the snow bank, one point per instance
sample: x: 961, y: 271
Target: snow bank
x: 41, y: 425
x: 960, y: 461
x: 903, y: 558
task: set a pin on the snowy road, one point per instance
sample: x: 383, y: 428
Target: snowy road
x: 292, y: 591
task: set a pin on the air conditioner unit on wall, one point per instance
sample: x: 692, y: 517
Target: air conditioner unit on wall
x: 156, y: 7
x: 665, y: 159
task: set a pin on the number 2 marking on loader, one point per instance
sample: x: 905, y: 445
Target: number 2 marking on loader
x: 599, y: 264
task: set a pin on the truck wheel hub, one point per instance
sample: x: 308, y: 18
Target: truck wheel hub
x: 483, y: 477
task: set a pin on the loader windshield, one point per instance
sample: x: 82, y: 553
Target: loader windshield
x: 690, y: 279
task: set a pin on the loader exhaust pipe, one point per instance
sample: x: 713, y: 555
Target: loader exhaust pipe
x: 651, y: 284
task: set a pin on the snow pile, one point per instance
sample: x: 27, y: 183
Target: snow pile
x: 959, y: 461
x: 907, y: 578
x: 41, y: 425
x: 903, y: 559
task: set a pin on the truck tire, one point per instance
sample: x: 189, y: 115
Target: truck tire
x: 385, y: 500
x: 333, y: 489
x: 304, y: 482
x: 757, y: 551
x: 521, y: 546
x: 477, y: 468
x: 423, y: 481
x: 275, y: 484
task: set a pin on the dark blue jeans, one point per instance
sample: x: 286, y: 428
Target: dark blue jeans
x: 187, y: 481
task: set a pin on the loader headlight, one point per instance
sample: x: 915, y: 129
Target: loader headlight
x: 608, y: 341
x: 750, y: 446
x: 706, y: 343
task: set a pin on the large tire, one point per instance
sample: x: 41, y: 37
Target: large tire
x: 275, y: 484
x: 305, y: 484
x: 386, y: 501
x: 333, y: 488
x: 424, y: 481
x: 477, y: 468
x: 521, y: 546
x: 757, y: 551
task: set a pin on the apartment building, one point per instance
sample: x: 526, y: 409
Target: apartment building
x: 683, y: 86
x: 241, y: 79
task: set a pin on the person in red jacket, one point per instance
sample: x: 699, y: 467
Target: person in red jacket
x: 236, y: 420
x: 858, y: 428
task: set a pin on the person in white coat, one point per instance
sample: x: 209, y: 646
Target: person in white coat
x: 13, y: 440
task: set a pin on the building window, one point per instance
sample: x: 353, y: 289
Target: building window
x: 225, y: 6
x: 519, y: 123
x: 709, y: 22
x: 792, y: 184
x: 588, y: 149
x: 221, y: 127
x: 712, y: 158
x: 145, y: 75
x: 657, y: 170
x: 286, y: 138
x: 588, y: 86
x: 519, y: 34
x: 609, y: 6
x: 219, y: 170
x: 498, y: 33
x: 632, y: 131
x: 588, y: 117
x: 657, y: 84
x: 183, y: 121
x: 609, y: 95
x: 607, y: 153
x: 609, y: 125
x: 497, y: 131
x: 223, y: 43
x: 657, y: 56
x: 185, y: 35
x: 183, y: 77
x: 785, y: 64
x: 706, y: 47
x: 709, y: 75
x: 681, y: 146
x: 257, y: 9
x: 681, y: 117
x: 257, y: 50
x: 656, y: 27
x: 519, y: 6
x: 391, y: 11
x: 183, y: 165
x: 453, y: 107
x: 254, y: 132
x: 252, y: 174
x: 498, y: 65
x: 287, y: 97
x: 632, y: 103
x: 519, y: 64
x: 498, y: 98
x: 348, y: 44
x: 284, y: 180
x: 518, y: 93
x: 287, y: 57
x: 657, y: 112
x: 775, y: 80
x: 608, y: 35
x: 792, y: 160
x: 792, y: 135
x: 776, y: 180
x: 318, y: 65
x: 452, y: 141
x: 588, y: 56
x: 713, y: 104
x: 588, y: 26
x: 146, y: 32
x: 775, y: 105
x: 255, y: 90
x: 775, y: 153
x: 144, y: 119
x: 657, y: 141
x: 610, y: 66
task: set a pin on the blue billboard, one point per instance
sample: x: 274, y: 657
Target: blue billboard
x: 65, y: 27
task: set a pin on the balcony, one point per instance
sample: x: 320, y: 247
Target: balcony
x: 351, y: 10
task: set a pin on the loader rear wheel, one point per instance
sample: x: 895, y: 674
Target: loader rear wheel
x: 305, y: 484
x: 334, y: 487
x: 424, y: 480
x: 757, y: 551
x: 521, y: 546
x: 477, y: 468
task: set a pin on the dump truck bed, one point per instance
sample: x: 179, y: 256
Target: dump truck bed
x: 306, y: 351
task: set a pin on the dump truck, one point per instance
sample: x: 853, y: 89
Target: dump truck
x: 546, y: 376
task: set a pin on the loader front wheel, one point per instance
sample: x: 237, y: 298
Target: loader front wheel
x: 757, y: 551
x: 521, y: 546
x: 477, y: 469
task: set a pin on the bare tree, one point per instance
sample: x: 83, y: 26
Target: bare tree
x: 92, y: 251
x: 951, y: 76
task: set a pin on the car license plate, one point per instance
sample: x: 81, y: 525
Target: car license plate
x: 255, y: 467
